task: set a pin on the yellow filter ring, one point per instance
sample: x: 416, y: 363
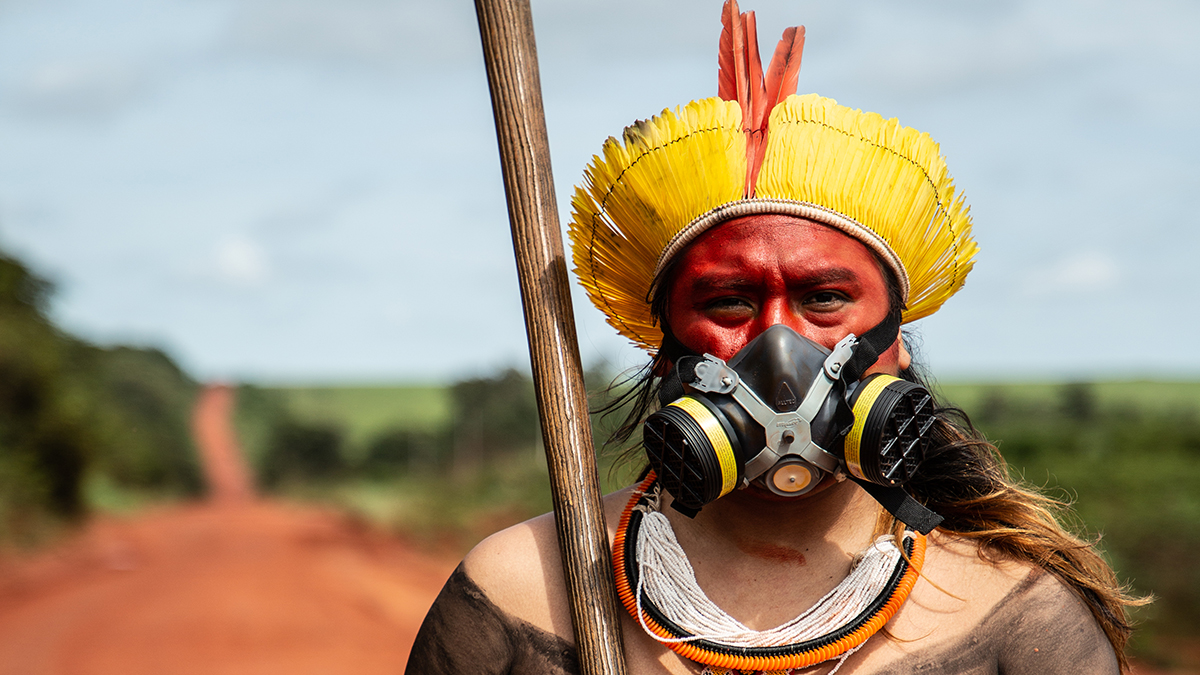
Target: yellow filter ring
x: 862, y: 409
x: 715, y: 434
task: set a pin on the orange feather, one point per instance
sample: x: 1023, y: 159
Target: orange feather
x: 731, y: 78
x: 739, y: 58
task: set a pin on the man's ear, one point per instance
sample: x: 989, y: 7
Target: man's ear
x: 903, y: 358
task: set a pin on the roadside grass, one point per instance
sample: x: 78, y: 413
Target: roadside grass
x: 453, y: 510
x: 104, y: 495
x: 364, y: 412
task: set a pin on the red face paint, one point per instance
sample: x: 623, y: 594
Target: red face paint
x: 748, y: 274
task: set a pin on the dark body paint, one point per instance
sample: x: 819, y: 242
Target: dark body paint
x: 1039, y: 628
x: 464, y: 633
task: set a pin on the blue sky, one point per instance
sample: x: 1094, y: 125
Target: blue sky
x: 309, y: 190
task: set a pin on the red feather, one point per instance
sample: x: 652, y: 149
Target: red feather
x: 726, y: 79
x: 758, y: 98
x: 740, y: 78
x: 783, y: 75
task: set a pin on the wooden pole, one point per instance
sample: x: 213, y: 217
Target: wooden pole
x: 506, y: 27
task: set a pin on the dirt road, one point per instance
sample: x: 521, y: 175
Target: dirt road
x: 236, y: 585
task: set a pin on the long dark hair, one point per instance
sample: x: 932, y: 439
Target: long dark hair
x: 963, y: 478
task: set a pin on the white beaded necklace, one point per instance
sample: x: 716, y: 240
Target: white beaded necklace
x: 669, y: 582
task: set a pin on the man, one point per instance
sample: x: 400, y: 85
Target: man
x: 766, y: 248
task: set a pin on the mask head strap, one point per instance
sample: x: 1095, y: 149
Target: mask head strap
x: 895, y: 498
x: 901, y: 505
x: 872, y: 343
x: 683, y: 368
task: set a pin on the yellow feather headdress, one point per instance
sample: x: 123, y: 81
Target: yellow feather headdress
x: 670, y: 178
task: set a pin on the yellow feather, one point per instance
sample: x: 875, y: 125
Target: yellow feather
x: 668, y: 171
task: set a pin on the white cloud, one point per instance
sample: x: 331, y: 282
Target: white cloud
x: 1078, y: 272
x: 78, y: 88
x: 400, y: 34
x: 241, y: 262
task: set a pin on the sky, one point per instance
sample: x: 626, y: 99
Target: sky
x: 309, y: 190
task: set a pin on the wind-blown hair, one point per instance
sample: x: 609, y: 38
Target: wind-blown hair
x: 963, y: 478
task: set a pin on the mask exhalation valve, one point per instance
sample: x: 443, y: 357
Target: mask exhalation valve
x: 792, y: 477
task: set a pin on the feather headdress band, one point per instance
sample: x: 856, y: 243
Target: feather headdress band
x: 759, y: 149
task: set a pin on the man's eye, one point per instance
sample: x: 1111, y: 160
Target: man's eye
x: 825, y: 300
x: 728, y: 306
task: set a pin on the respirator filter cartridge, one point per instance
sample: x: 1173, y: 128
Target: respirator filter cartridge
x: 694, y: 450
x: 891, y: 432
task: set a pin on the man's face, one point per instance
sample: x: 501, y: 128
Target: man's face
x: 748, y: 274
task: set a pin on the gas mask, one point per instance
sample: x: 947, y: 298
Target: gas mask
x: 784, y: 413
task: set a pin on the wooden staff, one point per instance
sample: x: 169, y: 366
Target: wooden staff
x: 506, y: 27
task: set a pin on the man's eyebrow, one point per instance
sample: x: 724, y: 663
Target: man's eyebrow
x: 723, y: 282
x: 720, y: 282
x: 832, y: 275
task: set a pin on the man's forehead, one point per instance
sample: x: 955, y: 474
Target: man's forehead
x: 773, y: 231
x: 754, y: 241
x: 733, y: 275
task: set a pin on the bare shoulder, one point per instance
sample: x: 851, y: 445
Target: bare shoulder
x: 958, y: 577
x: 974, y: 611
x: 504, y: 610
x: 520, y: 569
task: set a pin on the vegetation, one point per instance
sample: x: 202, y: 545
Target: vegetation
x: 446, y: 464
x: 81, y: 425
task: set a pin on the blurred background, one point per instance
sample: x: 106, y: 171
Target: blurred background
x: 301, y: 199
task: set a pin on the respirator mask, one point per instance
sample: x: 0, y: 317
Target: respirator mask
x: 785, y: 413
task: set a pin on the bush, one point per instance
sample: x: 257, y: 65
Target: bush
x: 403, y: 451
x: 299, y: 452
x: 69, y: 409
x: 493, y: 415
x: 150, y: 400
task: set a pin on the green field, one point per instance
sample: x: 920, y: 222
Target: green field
x: 1142, y: 395
x: 364, y: 412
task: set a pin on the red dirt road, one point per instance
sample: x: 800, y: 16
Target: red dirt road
x: 225, y: 468
x: 236, y: 585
